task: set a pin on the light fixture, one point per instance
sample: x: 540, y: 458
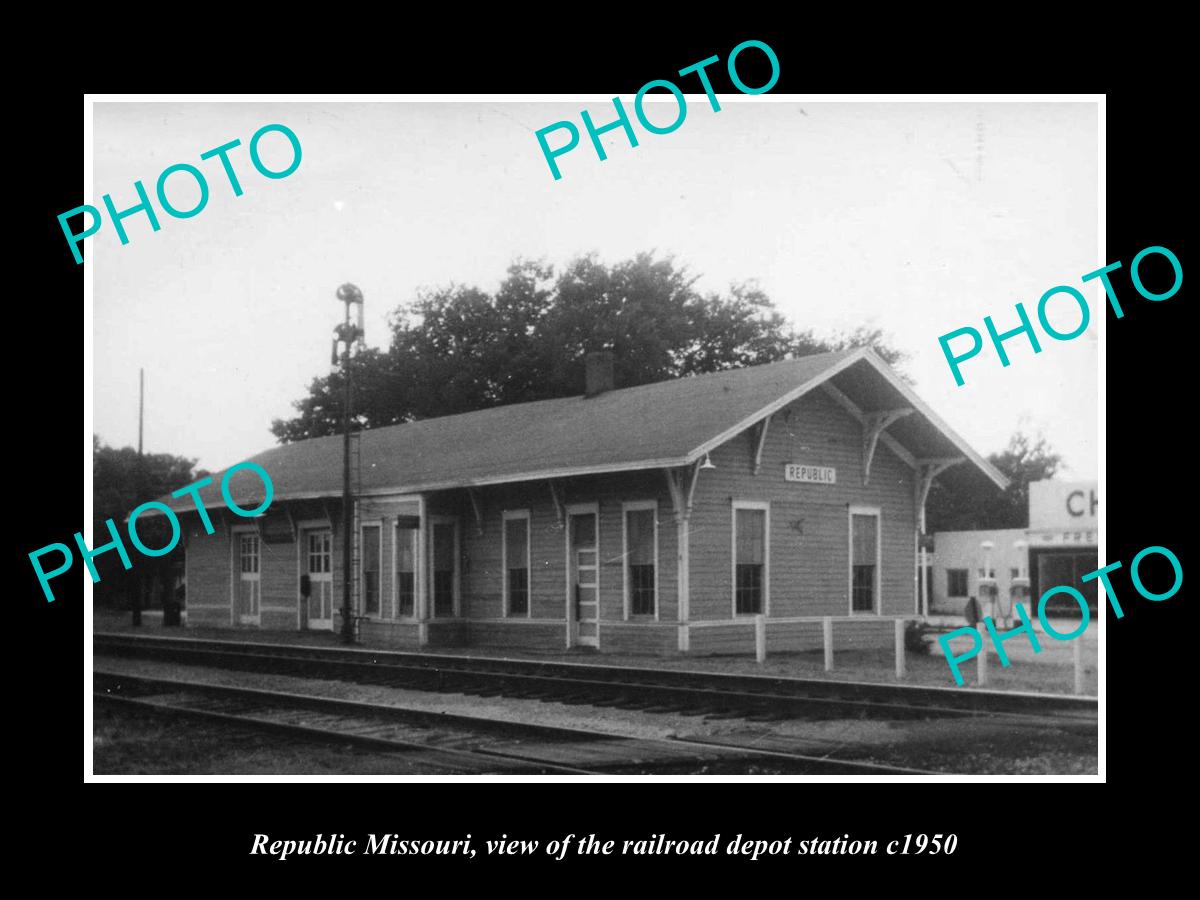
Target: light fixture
x: 708, y: 463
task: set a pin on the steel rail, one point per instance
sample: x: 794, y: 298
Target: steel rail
x: 678, y: 751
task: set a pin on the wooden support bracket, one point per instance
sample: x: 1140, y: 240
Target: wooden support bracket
x: 873, y: 427
x: 676, y: 494
x: 560, y: 510
x: 477, y: 508
x: 759, y: 433
x: 692, y: 477
x: 681, y: 482
x: 928, y: 470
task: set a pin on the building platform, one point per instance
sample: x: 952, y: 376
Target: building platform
x: 1048, y: 672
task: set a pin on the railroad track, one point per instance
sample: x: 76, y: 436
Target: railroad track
x: 757, y: 698
x: 457, y: 744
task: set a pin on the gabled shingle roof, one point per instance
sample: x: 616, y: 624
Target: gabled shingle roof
x: 668, y: 423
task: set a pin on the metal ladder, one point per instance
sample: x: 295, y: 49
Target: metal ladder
x: 356, y: 525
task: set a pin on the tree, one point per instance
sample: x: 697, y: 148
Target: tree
x: 956, y: 504
x: 119, y: 485
x: 457, y: 348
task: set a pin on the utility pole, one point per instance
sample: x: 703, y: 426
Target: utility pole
x: 347, y: 334
x: 139, y: 486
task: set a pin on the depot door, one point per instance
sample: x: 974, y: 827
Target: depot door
x: 248, y: 586
x: 583, y: 561
x: 318, y: 565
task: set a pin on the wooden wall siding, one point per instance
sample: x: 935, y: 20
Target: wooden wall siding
x: 209, y: 556
x: 374, y: 507
x: 279, y: 585
x: 391, y: 634
x: 383, y: 511
x: 809, y: 527
x: 481, y: 568
x: 731, y: 639
x: 208, y: 618
x: 444, y: 633
x: 809, y: 522
x: 638, y: 637
x: 531, y: 636
x: 793, y: 637
x: 207, y: 563
x: 278, y: 620
x: 863, y: 634
x: 633, y: 637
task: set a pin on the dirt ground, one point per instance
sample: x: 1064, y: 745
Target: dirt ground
x: 132, y: 743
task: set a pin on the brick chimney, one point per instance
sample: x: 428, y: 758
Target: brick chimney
x: 598, y: 376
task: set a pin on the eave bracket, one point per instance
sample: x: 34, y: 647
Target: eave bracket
x: 873, y: 427
x: 759, y: 433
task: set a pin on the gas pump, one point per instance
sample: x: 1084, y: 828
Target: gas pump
x: 1018, y: 591
x: 989, y: 592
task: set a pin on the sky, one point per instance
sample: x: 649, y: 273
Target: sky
x: 919, y: 218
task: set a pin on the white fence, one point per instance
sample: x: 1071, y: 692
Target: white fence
x: 759, y: 623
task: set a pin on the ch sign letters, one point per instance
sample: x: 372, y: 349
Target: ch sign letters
x: 1076, y: 509
x: 1062, y: 505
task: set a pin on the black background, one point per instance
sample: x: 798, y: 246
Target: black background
x: 193, y: 834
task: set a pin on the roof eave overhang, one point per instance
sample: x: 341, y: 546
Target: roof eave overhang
x: 413, y: 491
x: 864, y: 354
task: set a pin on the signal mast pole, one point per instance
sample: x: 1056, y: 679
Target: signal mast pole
x: 347, y: 334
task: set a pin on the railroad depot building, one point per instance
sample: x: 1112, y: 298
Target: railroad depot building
x: 657, y: 518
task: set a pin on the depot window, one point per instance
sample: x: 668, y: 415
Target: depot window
x: 406, y: 570
x: 444, y: 568
x: 865, y: 559
x: 641, y: 558
x: 751, y: 558
x: 516, y: 564
x: 372, y: 553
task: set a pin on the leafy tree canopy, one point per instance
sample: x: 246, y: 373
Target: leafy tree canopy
x: 119, y: 485
x: 456, y: 348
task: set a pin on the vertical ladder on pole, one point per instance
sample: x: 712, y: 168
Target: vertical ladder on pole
x: 355, y: 522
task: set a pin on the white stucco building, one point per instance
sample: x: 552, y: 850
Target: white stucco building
x: 1058, y: 547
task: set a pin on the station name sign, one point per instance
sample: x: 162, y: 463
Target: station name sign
x: 811, y: 474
